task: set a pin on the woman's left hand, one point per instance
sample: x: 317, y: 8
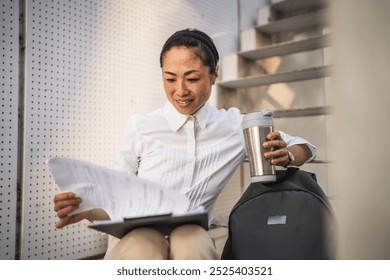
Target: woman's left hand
x: 278, y: 153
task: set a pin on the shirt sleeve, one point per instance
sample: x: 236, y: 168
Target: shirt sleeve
x: 127, y: 157
x: 294, y: 140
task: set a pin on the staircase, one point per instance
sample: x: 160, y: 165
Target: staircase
x: 284, y: 28
x: 277, y: 62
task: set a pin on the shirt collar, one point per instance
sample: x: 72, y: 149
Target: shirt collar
x: 177, y: 120
x: 203, y: 115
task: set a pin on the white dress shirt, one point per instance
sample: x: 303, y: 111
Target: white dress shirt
x: 193, y: 154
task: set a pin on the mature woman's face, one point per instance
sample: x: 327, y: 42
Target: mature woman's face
x: 187, y: 82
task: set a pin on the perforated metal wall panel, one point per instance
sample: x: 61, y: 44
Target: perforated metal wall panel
x: 89, y: 66
x: 9, y: 102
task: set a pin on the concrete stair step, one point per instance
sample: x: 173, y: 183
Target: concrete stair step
x: 304, y: 112
x: 280, y: 49
x: 292, y: 6
x: 316, y: 18
x: 266, y: 79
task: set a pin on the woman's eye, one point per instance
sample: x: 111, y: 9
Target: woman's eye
x: 170, y: 80
x: 193, y: 80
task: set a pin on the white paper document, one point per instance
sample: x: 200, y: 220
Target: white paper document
x: 120, y: 194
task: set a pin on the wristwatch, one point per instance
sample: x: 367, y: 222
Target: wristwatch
x: 291, y: 157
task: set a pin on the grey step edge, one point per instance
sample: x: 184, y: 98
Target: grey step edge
x: 291, y: 6
x: 317, y: 18
x: 290, y: 47
x: 284, y: 77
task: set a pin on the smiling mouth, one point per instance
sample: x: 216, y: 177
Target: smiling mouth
x: 183, y: 102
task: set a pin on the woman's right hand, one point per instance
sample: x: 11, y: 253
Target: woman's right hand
x: 65, y: 203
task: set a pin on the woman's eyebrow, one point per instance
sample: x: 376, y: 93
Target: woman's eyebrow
x: 185, y: 74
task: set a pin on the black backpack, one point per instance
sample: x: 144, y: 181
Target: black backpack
x: 287, y: 219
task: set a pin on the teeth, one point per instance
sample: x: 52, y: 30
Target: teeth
x: 183, y: 102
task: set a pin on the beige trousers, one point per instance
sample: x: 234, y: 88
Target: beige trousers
x: 188, y: 242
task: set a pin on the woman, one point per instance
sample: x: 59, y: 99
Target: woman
x: 187, y: 145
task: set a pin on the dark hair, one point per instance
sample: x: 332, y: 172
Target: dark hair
x: 195, y: 39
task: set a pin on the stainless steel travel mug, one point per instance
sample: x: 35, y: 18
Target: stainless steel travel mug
x: 255, y: 127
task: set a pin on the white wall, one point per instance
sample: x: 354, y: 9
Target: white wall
x: 89, y: 65
x: 9, y: 104
x: 360, y: 129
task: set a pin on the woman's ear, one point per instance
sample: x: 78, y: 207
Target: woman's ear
x: 214, y: 76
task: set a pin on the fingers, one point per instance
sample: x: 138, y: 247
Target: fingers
x: 64, y: 196
x: 67, y: 220
x: 64, y: 204
x: 278, y: 157
x: 61, y: 204
x: 274, y: 136
x: 277, y: 154
x: 62, y: 222
x: 275, y: 141
x: 64, y: 201
x: 63, y: 212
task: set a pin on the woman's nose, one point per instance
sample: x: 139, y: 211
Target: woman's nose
x: 181, y: 88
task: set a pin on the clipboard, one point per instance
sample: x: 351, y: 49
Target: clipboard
x: 164, y: 223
